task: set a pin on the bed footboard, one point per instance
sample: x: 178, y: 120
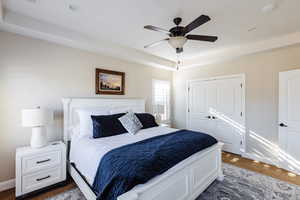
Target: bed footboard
x: 184, y: 183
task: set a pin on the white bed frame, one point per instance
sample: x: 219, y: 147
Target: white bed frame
x: 185, y: 181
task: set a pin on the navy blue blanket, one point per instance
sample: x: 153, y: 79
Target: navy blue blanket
x: 125, y: 167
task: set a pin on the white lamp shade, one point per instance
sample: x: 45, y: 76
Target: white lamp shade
x: 177, y: 42
x: 36, y: 117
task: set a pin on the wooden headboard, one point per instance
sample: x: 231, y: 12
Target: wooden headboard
x: 71, y: 104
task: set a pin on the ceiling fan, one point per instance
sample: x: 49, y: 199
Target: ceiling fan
x: 178, y: 34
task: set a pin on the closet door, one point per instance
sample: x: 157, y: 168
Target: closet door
x: 228, y: 114
x: 215, y: 107
x: 202, y: 99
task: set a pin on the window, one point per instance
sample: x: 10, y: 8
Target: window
x: 161, y: 100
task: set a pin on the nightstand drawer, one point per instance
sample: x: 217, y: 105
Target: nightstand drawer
x: 41, y: 179
x: 42, y: 161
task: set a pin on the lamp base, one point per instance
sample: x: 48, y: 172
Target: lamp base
x: 38, y: 137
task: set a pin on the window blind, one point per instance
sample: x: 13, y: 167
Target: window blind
x: 161, y: 100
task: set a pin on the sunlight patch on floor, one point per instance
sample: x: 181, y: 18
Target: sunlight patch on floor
x: 291, y: 174
x: 234, y: 159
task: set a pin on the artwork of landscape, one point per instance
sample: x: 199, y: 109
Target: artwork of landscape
x: 109, y: 82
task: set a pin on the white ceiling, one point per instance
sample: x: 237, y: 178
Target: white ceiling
x: 121, y: 21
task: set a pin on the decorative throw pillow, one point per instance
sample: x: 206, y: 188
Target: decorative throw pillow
x: 131, y: 123
x: 147, y: 120
x: 107, y: 125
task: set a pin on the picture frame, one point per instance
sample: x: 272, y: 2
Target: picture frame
x: 110, y: 82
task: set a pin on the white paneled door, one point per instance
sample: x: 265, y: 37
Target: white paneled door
x: 202, y: 96
x: 216, y: 107
x: 289, y: 120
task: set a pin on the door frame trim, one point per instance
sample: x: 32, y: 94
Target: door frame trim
x: 243, y: 77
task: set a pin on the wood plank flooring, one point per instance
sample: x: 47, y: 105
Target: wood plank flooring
x: 260, y: 167
x: 233, y: 159
x: 10, y: 194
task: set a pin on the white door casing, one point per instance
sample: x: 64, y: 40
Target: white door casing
x: 289, y: 120
x: 217, y: 106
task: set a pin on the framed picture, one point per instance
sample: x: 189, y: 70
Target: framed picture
x: 110, y: 82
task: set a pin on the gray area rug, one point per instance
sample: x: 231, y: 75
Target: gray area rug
x: 239, y: 184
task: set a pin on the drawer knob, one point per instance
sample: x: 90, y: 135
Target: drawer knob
x: 43, y: 161
x: 40, y: 179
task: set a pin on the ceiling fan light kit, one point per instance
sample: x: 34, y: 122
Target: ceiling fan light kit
x: 177, y: 42
x: 178, y: 34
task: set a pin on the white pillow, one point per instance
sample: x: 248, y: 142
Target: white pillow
x: 119, y: 110
x: 85, y: 120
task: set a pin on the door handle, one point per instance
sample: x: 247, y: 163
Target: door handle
x: 208, y: 117
x: 283, y: 125
x: 213, y: 117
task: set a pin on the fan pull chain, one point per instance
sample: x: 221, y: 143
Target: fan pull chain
x: 178, y: 61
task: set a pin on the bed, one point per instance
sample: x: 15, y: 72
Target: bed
x: 184, y: 181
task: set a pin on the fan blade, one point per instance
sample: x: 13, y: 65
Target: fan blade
x: 156, y: 43
x: 154, y: 28
x: 179, y: 50
x: 206, y: 38
x: 196, y: 23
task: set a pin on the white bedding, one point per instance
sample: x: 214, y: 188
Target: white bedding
x: 87, y: 152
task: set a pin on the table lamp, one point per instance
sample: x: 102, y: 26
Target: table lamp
x: 37, y: 119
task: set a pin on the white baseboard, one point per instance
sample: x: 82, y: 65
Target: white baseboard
x: 6, y: 185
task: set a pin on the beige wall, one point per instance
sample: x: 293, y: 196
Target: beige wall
x: 34, y: 72
x: 261, y: 72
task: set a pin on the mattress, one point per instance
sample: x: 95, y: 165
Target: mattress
x: 86, y: 153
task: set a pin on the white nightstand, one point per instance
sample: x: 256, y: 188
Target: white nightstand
x: 39, y: 168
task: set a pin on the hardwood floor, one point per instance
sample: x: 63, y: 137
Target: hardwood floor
x: 260, y: 167
x: 233, y: 159
x: 10, y: 194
